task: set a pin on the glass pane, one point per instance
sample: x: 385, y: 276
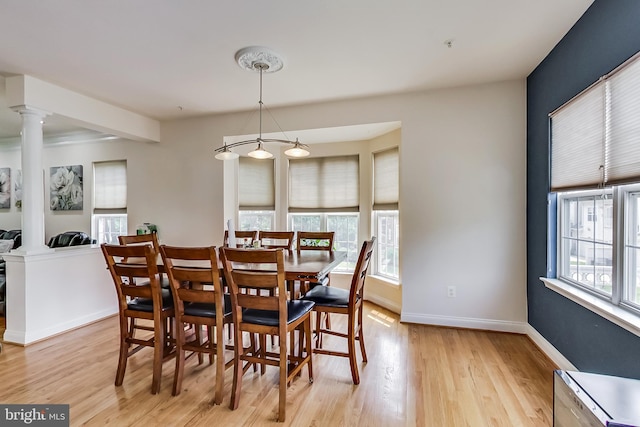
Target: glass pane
x: 306, y: 222
x: 387, y: 227
x: 107, y: 228
x: 256, y: 220
x: 633, y: 276
x: 586, y: 251
x: 346, y: 238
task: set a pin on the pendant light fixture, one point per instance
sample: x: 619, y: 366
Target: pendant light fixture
x: 262, y: 60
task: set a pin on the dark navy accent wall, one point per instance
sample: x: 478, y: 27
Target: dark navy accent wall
x: 605, y: 36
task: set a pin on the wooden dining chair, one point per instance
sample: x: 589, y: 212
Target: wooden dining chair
x: 314, y: 240
x: 243, y: 234
x: 317, y: 241
x: 151, y: 240
x: 329, y: 299
x: 140, y: 297
x: 198, y: 301
x: 264, y: 314
x: 276, y: 239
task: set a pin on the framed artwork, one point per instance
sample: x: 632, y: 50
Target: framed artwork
x: 17, y: 187
x: 5, y: 188
x: 65, y: 185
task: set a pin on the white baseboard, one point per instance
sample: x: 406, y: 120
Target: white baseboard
x: 493, y: 325
x: 384, y: 302
x: 464, y: 322
x: 548, y: 349
x: 30, y: 337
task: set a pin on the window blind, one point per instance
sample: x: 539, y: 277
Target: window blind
x: 110, y: 187
x: 386, y: 171
x: 256, y: 184
x: 595, y: 137
x: 324, y: 184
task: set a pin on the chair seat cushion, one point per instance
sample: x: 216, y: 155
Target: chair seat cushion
x: 203, y: 309
x: 146, y: 304
x: 328, y: 296
x: 295, y: 310
x: 324, y: 281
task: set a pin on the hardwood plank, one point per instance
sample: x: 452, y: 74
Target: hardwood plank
x: 417, y: 375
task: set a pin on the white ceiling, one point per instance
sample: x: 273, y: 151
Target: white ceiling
x: 170, y: 59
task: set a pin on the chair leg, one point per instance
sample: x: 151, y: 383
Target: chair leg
x: 237, y: 369
x: 124, y: 352
x: 361, y: 335
x: 318, y: 330
x: 219, y: 346
x: 178, y: 373
x: 351, y: 343
x: 263, y: 349
x: 309, y: 347
x: 158, y: 353
x: 282, y: 384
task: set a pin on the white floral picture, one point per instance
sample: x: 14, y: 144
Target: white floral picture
x: 5, y: 188
x: 66, y: 188
x: 17, y: 187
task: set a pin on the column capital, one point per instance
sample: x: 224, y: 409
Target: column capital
x: 27, y: 109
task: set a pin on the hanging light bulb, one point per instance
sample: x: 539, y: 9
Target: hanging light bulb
x: 226, y: 154
x: 296, y: 150
x: 260, y: 153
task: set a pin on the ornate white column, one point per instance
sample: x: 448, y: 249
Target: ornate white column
x: 32, y: 181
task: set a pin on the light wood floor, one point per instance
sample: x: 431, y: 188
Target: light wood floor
x: 416, y: 376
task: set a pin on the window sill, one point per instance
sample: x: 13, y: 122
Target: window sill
x: 386, y: 280
x: 619, y: 316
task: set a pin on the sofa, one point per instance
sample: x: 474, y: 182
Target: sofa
x: 69, y: 238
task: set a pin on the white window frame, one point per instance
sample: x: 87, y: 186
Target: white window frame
x: 617, y: 306
x: 109, y: 213
x: 100, y: 223
x: 353, y: 250
x: 383, y: 245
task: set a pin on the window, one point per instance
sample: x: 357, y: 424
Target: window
x: 109, y: 218
x: 586, y: 243
x: 595, y: 140
x: 256, y: 194
x: 345, y: 227
x: 256, y: 220
x: 385, y: 213
x: 324, y: 195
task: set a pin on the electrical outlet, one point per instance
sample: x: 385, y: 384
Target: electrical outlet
x: 451, y: 291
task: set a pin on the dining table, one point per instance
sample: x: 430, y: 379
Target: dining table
x: 303, y: 266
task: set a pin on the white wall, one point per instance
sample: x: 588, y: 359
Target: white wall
x: 462, y: 192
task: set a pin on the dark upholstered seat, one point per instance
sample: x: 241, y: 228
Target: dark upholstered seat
x: 329, y: 296
x: 15, y: 235
x: 295, y: 310
x: 69, y: 238
x: 146, y: 304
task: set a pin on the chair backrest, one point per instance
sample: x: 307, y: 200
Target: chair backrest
x: 243, y: 234
x: 150, y: 240
x: 315, y: 240
x: 245, y: 285
x: 127, y: 276
x: 276, y: 239
x: 194, y: 276
x: 360, y: 271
